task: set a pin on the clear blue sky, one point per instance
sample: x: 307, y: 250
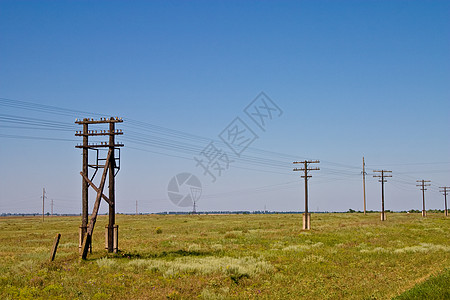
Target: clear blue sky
x: 353, y: 79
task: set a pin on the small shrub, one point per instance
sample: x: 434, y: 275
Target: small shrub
x: 158, y: 230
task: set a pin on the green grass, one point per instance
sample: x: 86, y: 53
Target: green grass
x: 349, y: 256
x: 436, y: 287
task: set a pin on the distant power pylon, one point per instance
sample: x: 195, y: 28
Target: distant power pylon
x: 445, y: 192
x: 382, y: 180
x: 194, y: 208
x: 422, y: 185
x: 305, y: 169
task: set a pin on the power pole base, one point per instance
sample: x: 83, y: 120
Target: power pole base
x: 115, y: 241
x: 424, y: 213
x: 383, y: 216
x: 307, y: 221
x: 446, y: 213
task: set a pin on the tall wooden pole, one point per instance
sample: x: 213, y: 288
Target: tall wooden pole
x: 364, y: 184
x: 306, y: 215
x: 84, y: 185
x: 306, y: 189
x: 43, y: 203
x: 383, y: 215
x: 112, y: 212
x: 382, y: 180
x: 422, y: 185
x: 423, y: 202
x: 445, y: 192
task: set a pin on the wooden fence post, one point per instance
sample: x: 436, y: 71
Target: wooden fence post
x: 55, y: 247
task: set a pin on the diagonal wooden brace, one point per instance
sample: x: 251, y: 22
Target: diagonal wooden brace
x: 88, y: 237
x: 95, y: 188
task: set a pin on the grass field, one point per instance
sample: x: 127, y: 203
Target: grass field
x: 344, y: 256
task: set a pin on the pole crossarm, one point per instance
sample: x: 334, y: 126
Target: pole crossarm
x: 101, y: 121
x: 101, y: 145
x: 444, y: 190
x: 95, y: 133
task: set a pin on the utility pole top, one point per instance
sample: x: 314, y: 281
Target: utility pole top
x: 423, y: 183
x: 307, y: 161
x: 102, y: 120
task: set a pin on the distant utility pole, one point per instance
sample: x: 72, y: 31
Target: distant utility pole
x: 194, y: 210
x: 305, y: 169
x: 422, y: 185
x: 364, y: 184
x: 382, y: 180
x: 43, y: 203
x: 136, y: 208
x: 444, y: 192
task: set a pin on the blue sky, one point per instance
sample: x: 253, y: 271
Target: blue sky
x: 353, y: 79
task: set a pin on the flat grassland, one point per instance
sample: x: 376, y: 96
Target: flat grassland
x: 344, y: 256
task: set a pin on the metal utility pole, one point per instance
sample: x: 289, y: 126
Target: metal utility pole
x: 382, y: 180
x: 422, y: 185
x: 43, y: 203
x: 305, y: 169
x: 444, y: 192
x: 364, y: 184
x: 113, y: 166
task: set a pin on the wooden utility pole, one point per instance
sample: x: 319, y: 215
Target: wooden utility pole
x: 444, y: 192
x: 112, y: 169
x: 305, y: 169
x: 382, y: 180
x: 84, y: 183
x: 364, y: 184
x: 112, y: 206
x: 422, y: 185
x: 43, y: 203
